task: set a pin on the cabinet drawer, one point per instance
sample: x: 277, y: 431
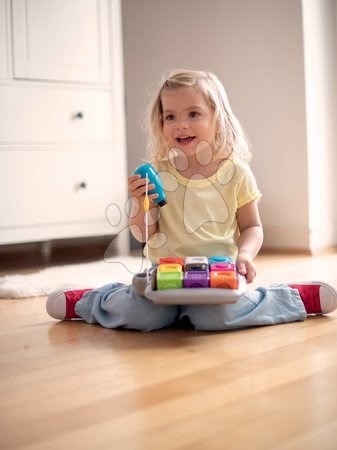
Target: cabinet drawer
x: 57, y: 187
x: 42, y: 114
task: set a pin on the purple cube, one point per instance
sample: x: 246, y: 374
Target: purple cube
x: 196, y: 279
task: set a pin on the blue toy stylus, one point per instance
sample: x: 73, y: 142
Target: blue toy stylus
x: 148, y: 171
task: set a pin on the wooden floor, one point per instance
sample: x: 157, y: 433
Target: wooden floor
x: 70, y: 385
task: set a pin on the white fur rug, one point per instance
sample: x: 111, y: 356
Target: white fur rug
x: 85, y: 275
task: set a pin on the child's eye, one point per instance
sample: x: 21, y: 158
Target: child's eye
x: 168, y: 117
x: 194, y: 114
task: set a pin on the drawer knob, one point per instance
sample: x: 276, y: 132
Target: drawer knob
x: 79, y: 115
x: 83, y: 185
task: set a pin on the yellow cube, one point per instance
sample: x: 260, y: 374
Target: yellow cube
x: 169, y: 268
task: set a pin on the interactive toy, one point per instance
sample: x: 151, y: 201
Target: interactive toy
x: 195, y: 280
x: 148, y: 171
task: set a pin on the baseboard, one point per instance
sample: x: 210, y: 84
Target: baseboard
x: 58, y: 252
x: 284, y: 251
x: 270, y: 250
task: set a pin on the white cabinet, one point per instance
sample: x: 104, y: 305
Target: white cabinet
x: 62, y: 130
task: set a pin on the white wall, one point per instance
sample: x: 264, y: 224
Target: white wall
x: 320, y: 45
x: 256, y: 49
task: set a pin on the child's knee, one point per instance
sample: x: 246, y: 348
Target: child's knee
x: 138, y: 313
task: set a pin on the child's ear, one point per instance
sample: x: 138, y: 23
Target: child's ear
x: 217, y: 133
x: 216, y: 126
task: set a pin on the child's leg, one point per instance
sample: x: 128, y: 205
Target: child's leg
x: 264, y: 306
x: 114, y: 305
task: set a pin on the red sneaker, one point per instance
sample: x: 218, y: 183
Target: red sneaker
x: 318, y: 297
x: 61, y: 303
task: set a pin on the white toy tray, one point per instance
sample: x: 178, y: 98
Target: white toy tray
x: 194, y: 296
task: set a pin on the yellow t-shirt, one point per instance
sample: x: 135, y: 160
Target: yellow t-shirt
x: 200, y: 216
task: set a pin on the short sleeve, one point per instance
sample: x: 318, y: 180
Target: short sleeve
x: 247, y: 187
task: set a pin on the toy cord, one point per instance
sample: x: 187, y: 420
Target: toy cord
x: 146, y: 209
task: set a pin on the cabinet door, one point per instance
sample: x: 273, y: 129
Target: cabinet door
x: 61, y: 40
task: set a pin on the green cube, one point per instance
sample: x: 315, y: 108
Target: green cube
x: 169, y: 280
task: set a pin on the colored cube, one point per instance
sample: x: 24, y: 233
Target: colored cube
x: 170, y: 268
x: 219, y: 259
x: 196, y: 263
x: 196, y: 279
x: 222, y: 267
x: 170, y: 280
x: 224, y: 280
x: 172, y: 260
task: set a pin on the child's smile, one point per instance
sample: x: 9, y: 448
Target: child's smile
x: 185, y: 140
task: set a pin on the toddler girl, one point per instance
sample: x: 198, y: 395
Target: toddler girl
x: 199, y: 148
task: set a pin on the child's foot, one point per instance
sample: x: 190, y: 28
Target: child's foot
x: 61, y: 303
x: 318, y: 297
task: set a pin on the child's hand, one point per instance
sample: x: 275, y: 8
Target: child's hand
x: 137, y: 187
x: 245, y: 267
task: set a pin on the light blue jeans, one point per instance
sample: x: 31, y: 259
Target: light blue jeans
x: 117, y: 305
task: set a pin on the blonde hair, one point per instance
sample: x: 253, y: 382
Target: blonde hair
x: 230, y: 138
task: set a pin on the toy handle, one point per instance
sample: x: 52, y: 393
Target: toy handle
x: 147, y: 170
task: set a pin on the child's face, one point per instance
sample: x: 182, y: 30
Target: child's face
x: 187, y: 119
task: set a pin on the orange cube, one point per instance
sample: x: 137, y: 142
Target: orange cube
x: 224, y: 280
